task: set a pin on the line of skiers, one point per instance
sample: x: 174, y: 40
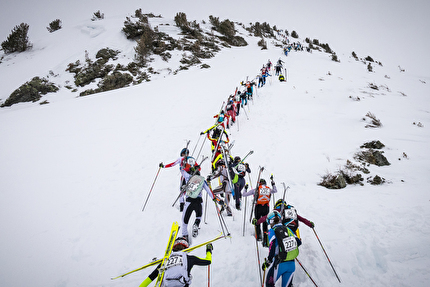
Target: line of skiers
x: 282, y: 239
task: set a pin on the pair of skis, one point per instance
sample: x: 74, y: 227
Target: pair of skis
x: 173, y: 233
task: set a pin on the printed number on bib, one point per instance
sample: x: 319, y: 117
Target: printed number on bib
x: 174, y: 260
x: 290, y: 243
x: 265, y: 191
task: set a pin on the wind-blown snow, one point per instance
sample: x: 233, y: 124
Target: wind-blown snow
x: 74, y: 173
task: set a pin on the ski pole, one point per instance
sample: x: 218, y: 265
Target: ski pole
x: 146, y: 201
x: 306, y: 272
x: 326, y: 255
x: 206, y: 206
x: 209, y: 275
x: 196, y: 145
x: 273, y: 197
x: 244, y: 213
x: 246, y: 113
x: 264, y: 274
x: 244, y: 218
x: 258, y: 255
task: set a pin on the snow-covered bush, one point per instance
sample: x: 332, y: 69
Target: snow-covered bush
x: 17, y: 41
x: 31, y: 91
x: 54, y: 26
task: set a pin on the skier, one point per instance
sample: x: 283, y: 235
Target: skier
x: 194, y: 202
x: 291, y: 218
x: 238, y: 178
x: 260, y: 80
x: 179, y: 265
x: 213, y: 134
x: 283, y: 249
x: 269, y: 64
x: 244, y: 99
x: 265, y: 74
x: 186, y: 163
x: 221, y: 118
x: 279, y: 66
x: 262, y: 193
x: 231, y: 112
x: 249, y: 89
x: 224, y: 188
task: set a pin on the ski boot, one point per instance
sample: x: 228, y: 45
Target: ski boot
x: 195, y: 230
x: 229, y: 213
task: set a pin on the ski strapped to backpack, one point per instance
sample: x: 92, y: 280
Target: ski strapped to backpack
x: 254, y: 201
x: 172, y: 238
x: 158, y: 261
x: 283, y: 200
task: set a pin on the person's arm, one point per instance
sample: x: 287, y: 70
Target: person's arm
x: 173, y: 163
x: 305, y: 221
x: 208, y: 190
x: 194, y: 260
x: 248, y: 193
x: 274, y: 189
x: 150, y: 278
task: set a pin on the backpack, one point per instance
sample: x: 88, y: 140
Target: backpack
x: 194, y: 186
x: 288, y: 247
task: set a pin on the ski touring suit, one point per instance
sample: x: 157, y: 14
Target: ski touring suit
x: 194, y: 202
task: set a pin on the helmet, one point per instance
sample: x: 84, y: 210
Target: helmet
x: 278, y: 204
x: 184, y: 152
x: 237, y: 158
x: 262, y: 181
x: 180, y: 243
x: 271, y: 216
x: 219, y: 128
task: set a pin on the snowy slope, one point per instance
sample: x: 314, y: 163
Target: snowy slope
x: 74, y: 173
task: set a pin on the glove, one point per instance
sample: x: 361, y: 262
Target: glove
x: 161, y: 165
x: 273, y: 183
x: 312, y: 224
x: 209, y: 247
x: 254, y: 221
x: 209, y: 178
x: 246, y: 186
x: 266, y: 264
x: 202, y: 133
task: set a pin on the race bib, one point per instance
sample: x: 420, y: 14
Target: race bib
x: 290, y: 243
x: 265, y: 191
x: 174, y: 260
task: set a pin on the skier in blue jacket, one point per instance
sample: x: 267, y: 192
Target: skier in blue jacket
x: 283, y: 249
